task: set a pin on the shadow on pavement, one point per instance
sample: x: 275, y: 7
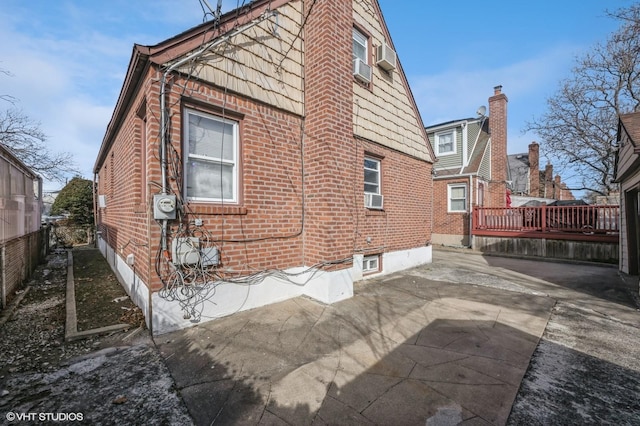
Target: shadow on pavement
x: 403, y: 351
x: 599, y: 281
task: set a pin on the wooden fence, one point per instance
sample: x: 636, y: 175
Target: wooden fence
x: 598, y: 223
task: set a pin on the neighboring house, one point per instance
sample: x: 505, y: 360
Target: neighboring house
x: 627, y: 174
x: 48, y: 198
x: 471, y: 169
x: 274, y: 153
x: 20, y: 211
x: 528, y: 183
x: 20, y: 197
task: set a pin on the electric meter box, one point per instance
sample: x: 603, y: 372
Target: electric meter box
x: 164, y: 206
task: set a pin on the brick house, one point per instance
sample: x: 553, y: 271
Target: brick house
x: 627, y: 174
x: 274, y: 153
x: 471, y: 169
x: 527, y: 182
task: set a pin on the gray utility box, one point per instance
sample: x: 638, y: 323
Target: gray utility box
x: 164, y: 206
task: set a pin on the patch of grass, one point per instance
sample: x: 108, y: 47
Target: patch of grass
x: 100, y: 299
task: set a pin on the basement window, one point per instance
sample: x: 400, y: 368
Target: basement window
x: 371, y: 264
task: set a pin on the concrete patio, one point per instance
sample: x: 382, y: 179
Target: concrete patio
x: 407, y: 349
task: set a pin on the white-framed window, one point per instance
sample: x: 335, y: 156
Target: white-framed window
x: 457, y: 195
x: 360, y: 46
x: 371, y: 264
x: 211, y: 157
x: 373, y: 198
x: 372, y: 176
x: 446, y: 142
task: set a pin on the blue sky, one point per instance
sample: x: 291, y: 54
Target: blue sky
x: 68, y: 58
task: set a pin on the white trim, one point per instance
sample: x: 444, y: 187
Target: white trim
x: 377, y: 170
x: 466, y: 197
x: 451, y: 124
x: 223, y: 162
x: 402, y: 260
x: 366, y: 260
x: 137, y: 289
x: 362, y: 39
x: 454, y: 141
x: 326, y: 287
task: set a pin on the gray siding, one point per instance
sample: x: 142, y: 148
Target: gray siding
x: 451, y: 160
x: 485, y: 165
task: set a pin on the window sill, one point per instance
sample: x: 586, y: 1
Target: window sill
x: 375, y: 212
x: 205, y: 209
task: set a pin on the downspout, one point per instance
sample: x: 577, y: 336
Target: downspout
x: 95, y: 209
x: 163, y: 93
x: 470, y: 210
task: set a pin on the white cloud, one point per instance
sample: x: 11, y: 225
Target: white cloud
x: 457, y: 93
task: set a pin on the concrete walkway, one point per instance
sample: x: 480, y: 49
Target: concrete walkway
x: 407, y: 349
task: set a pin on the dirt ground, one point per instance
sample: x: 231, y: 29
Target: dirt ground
x: 100, y: 299
x: 107, y: 379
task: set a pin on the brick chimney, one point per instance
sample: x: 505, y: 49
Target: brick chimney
x: 498, y: 133
x: 534, y: 169
x: 548, y: 181
x: 557, y: 188
x: 329, y: 129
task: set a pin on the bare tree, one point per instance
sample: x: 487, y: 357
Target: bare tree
x: 579, y: 128
x: 3, y: 96
x: 26, y: 141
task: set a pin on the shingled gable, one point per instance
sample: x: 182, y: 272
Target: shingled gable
x: 175, y: 47
x: 628, y: 157
x: 431, y: 155
x: 169, y: 50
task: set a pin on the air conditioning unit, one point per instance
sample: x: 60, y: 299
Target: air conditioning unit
x: 373, y: 201
x: 386, y: 57
x: 361, y: 70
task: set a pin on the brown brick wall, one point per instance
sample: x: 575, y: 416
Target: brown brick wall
x: 264, y: 230
x: 406, y: 185
x: 444, y: 222
x: 329, y: 152
x: 265, y: 224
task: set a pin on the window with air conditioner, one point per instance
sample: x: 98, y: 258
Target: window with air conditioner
x: 211, y: 158
x: 361, y: 67
x: 373, y: 198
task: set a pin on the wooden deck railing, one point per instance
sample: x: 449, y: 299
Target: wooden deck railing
x: 585, y: 223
